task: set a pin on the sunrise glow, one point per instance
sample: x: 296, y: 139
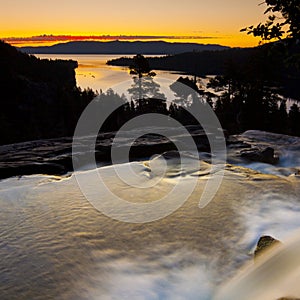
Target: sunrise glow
x: 32, y: 22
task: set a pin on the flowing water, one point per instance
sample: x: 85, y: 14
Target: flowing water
x: 55, y: 245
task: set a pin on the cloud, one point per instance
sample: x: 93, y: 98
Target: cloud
x: 66, y: 38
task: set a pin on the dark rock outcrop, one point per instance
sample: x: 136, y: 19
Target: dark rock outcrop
x: 263, y: 244
x: 266, y: 155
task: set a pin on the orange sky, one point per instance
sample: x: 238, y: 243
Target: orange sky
x: 208, y: 21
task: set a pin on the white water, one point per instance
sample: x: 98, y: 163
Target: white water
x: 55, y: 245
x: 286, y: 147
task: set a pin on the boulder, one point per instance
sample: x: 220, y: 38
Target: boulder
x: 265, y: 243
x: 266, y: 155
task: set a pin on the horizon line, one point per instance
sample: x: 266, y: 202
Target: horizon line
x: 53, y: 39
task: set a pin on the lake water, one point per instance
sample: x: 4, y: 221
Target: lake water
x: 93, y: 72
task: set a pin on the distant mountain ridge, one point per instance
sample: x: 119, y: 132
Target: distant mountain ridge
x: 122, y: 47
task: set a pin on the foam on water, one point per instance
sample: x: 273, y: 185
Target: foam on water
x: 272, y: 215
x: 286, y: 147
x: 165, y: 278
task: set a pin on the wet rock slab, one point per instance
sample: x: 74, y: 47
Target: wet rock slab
x: 54, y: 157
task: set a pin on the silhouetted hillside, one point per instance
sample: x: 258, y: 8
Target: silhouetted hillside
x: 274, y: 65
x: 198, y: 63
x: 120, y: 47
x: 39, y: 98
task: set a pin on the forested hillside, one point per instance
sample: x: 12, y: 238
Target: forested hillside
x: 39, y: 98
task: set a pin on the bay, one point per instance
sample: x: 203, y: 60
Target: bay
x: 94, y: 73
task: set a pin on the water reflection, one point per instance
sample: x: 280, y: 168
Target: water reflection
x: 93, y: 72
